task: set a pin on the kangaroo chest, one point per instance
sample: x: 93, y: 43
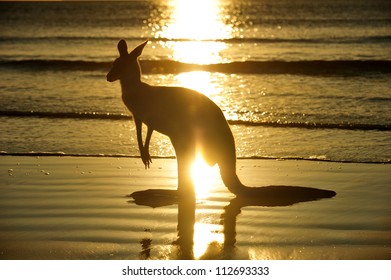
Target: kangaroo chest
x: 149, y: 112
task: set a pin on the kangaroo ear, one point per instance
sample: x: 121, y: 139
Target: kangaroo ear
x: 139, y: 49
x: 122, y: 48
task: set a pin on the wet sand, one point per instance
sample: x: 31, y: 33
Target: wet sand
x: 79, y: 208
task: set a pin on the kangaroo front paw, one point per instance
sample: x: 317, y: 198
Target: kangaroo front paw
x: 146, y: 158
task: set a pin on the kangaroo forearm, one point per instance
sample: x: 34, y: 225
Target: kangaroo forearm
x: 148, y: 139
x: 139, y: 133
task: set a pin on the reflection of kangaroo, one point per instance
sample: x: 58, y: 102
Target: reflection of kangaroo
x: 192, y: 121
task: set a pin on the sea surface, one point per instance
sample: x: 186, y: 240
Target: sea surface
x: 299, y: 79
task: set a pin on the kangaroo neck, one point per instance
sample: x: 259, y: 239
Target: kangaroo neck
x: 133, y: 95
x: 132, y: 87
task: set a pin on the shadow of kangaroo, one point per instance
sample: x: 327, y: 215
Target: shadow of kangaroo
x: 193, y: 122
x: 266, y: 196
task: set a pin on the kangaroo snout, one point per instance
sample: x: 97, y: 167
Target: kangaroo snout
x: 110, y: 78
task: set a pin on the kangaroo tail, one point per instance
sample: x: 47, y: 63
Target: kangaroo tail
x: 232, y: 181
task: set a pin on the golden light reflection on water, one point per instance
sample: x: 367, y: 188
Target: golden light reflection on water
x: 197, y: 52
x: 196, y: 20
x: 193, y: 30
x: 204, y: 235
x: 195, y: 33
x: 201, y: 81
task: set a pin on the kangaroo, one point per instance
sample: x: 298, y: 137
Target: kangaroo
x: 193, y: 122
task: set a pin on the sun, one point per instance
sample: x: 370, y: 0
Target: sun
x: 204, y: 177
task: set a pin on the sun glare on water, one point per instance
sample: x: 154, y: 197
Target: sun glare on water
x: 196, y: 20
x: 195, y: 31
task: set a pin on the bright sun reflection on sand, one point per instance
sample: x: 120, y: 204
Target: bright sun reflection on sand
x: 204, y: 177
x: 204, y: 235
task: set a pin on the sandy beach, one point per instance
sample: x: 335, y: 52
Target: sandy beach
x: 78, y: 208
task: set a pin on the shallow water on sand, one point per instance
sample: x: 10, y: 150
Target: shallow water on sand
x: 76, y: 208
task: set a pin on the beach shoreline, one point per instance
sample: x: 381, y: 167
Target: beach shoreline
x: 77, y: 208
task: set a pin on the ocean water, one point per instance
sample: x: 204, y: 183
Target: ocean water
x: 295, y: 79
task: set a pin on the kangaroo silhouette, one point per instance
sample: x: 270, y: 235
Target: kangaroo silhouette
x: 193, y: 122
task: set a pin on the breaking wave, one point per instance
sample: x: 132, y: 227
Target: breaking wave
x: 116, y: 116
x: 310, y: 67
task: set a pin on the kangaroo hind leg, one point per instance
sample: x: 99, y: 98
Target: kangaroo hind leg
x: 185, y: 153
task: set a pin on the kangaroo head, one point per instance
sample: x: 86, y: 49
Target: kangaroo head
x: 126, y: 65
